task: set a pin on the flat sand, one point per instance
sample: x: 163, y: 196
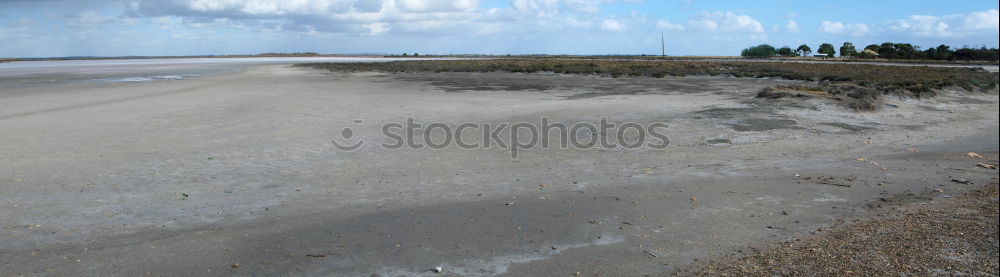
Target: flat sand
x: 232, y: 173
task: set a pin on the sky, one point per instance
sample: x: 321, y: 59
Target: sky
x: 55, y: 28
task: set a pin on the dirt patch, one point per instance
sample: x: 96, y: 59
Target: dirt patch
x: 969, y: 100
x: 483, y: 82
x: 956, y: 237
x: 856, y: 97
x: 849, y: 127
x: 730, y: 112
x: 577, y: 87
x: 764, y: 124
x: 719, y: 141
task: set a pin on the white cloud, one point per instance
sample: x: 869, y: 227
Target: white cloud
x: 954, y: 25
x: 536, y: 7
x: 89, y: 19
x: 271, y: 7
x: 166, y: 22
x: 437, y: 5
x: 218, y: 22
x: 552, y: 7
x: 377, y: 28
x: 576, y: 23
x: 702, y: 25
x: 359, y: 17
x: 792, y: 26
x: 726, y: 22
x: 988, y: 19
x: 377, y: 17
x: 280, y: 7
x: 612, y: 25
x: 591, y: 6
x: 19, y: 29
x: 666, y: 25
x: 839, y: 28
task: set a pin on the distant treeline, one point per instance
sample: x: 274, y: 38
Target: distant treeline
x: 888, y: 50
x: 296, y: 54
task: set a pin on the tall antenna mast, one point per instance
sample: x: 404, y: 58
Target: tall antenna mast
x: 663, y: 46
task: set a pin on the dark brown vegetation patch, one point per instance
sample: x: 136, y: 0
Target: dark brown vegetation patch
x: 859, y: 86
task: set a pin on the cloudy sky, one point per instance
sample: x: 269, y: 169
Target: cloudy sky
x: 44, y: 28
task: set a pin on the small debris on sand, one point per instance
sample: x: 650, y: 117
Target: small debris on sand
x: 961, y: 181
x: 973, y: 155
x: 909, y: 240
x: 833, y: 181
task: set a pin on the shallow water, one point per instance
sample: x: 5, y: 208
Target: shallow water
x: 142, y: 70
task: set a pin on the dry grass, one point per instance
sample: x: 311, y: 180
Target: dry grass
x: 852, y: 96
x: 856, y: 81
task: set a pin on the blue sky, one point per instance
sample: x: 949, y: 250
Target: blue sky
x: 46, y: 28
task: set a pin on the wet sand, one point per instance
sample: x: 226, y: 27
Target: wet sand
x: 233, y: 173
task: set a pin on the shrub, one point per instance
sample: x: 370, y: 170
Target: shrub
x: 867, y: 54
x: 786, y: 52
x: 759, y: 51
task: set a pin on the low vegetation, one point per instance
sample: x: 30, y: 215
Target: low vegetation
x: 852, y: 96
x: 859, y: 86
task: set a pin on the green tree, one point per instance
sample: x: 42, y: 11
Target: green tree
x: 887, y: 50
x: 967, y: 53
x: 905, y: 51
x: 873, y: 47
x: 786, y: 51
x: 759, y: 51
x: 848, y: 50
x: 827, y: 49
x: 931, y: 53
x: 943, y: 52
x: 804, y: 50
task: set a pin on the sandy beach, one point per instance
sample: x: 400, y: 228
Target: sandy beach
x: 230, y: 171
